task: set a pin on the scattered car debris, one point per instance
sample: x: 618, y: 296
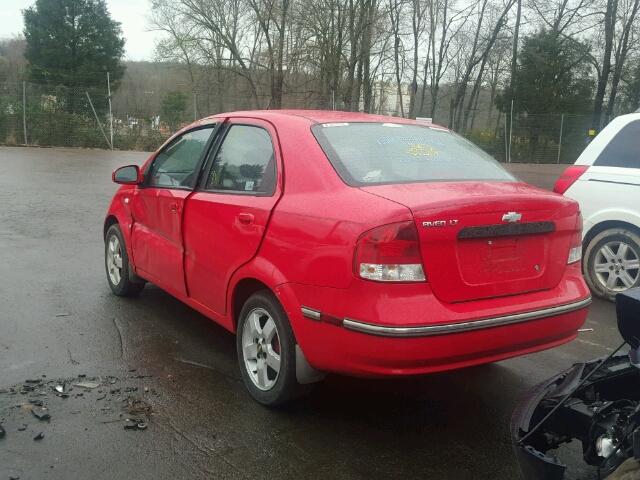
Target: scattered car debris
x: 41, y: 413
x: 88, y: 385
x: 122, y: 397
x: 137, y: 406
x: 135, y: 424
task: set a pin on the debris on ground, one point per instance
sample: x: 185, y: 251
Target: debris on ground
x: 87, y: 385
x: 124, y: 397
x: 137, y: 406
x: 41, y: 413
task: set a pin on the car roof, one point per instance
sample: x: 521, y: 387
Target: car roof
x: 321, y: 116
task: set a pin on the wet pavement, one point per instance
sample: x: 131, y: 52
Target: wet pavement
x: 160, y: 363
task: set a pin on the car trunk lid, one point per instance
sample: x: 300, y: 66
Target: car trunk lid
x: 487, y: 239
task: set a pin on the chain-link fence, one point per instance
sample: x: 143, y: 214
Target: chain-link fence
x: 140, y: 119
x: 535, y: 138
x: 42, y: 115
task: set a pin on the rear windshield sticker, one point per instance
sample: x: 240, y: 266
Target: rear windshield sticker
x: 421, y: 150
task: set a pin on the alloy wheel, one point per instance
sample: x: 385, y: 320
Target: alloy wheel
x: 261, y: 349
x: 617, y: 266
x: 114, y: 260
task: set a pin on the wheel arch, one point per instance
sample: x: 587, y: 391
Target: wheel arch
x: 607, y: 225
x: 242, y: 290
x: 108, y: 222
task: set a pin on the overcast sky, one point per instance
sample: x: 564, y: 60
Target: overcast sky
x: 132, y: 15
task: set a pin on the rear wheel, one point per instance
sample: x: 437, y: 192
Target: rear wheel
x: 117, y: 265
x: 266, y: 350
x: 612, y: 262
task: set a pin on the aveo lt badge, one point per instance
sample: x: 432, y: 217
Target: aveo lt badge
x: 439, y: 223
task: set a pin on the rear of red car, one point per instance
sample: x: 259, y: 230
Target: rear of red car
x: 482, y: 268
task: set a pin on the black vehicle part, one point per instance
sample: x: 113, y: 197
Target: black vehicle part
x: 628, y: 313
x: 597, y: 403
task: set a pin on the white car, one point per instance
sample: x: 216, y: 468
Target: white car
x: 605, y: 180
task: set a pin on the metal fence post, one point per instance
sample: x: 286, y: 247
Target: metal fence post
x: 560, y: 139
x: 195, y: 108
x: 110, y: 113
x: 510, y: 129
x: 506, y: 141
x: 98, y: 120
x: 24, y: 111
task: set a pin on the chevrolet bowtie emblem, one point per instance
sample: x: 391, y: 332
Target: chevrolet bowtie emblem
x: 511, y: 217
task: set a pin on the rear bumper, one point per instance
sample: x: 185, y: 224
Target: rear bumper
x: 430, y: 330
x: 420, y: 334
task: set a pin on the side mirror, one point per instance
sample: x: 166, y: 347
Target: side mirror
x: 129, y: 175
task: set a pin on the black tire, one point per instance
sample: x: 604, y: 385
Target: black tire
x: 127, y: 285
x: 285, y: 387
x: 592, y: 256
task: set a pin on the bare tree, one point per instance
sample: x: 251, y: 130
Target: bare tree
x: 477, y: 55
x: 626, y: 20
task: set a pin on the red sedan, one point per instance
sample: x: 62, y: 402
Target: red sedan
x: 350, y: 243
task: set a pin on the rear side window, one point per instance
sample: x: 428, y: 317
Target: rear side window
x: 382, y: 153
x: 623, y: 150
x: 245, y: 162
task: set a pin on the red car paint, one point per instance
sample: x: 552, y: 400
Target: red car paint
x: 207, y: 249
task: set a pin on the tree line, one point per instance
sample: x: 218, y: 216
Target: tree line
x: 572, y: 56
x: 451, y: 60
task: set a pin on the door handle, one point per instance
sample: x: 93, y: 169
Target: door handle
x: 174, y: 208
x: 246, y: 218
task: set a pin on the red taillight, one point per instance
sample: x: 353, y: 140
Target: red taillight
x: 569, y: 177
x: 575, y: 251
x: 390, y: 253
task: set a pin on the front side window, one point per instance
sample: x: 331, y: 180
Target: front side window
x: 176, y: 166
x: 623, y: 150
x: 245, y: 162
x: 383, y: 153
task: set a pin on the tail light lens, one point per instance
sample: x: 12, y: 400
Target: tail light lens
x: 390, y: 253
x: 575, y: 252
x: 568, y: 178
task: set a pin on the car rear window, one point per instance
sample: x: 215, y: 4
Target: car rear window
x: 622, y: 150
x: 383, y: 153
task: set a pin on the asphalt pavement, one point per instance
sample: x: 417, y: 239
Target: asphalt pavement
x: 174, y: 372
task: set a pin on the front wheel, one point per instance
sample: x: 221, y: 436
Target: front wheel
x: 266, y: 350
x: 612, y: 262
x: 116, y: 262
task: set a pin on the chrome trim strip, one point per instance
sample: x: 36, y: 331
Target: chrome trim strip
x: 442, y: 329
x: 310, y: 313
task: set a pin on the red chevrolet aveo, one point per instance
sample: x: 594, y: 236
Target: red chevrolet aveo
x: 350, y: 243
